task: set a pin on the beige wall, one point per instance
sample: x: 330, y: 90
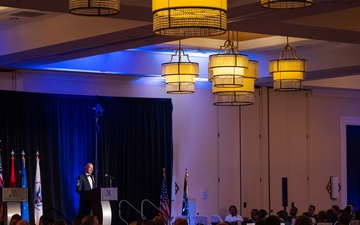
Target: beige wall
x: 235, y: 154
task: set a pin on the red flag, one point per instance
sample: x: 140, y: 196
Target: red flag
x: 12, y: 173
x: 164, y: 200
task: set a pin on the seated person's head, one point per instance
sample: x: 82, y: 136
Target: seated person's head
x: 146, y: 222
x: 272, y: 220
x: 181, y: 221
x: 14, y: 219
x: 159, y: 220
x: 89, y: 220
x: 345, y: 218
x: 22, y: 222
x: 303, y: 220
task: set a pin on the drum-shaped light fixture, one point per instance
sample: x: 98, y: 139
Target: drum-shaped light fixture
x: 180, y: 75
x: 94, y: 7
x: 286, y: 4
x: 238, y: 96
x: 288, y: 71
x: 189, y: 18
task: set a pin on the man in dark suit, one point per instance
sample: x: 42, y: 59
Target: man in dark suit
x: 85, y: 182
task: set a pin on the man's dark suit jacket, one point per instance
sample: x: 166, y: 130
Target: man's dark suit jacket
x: 82, y: 185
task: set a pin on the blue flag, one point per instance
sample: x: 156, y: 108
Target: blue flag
x: 24, y: 205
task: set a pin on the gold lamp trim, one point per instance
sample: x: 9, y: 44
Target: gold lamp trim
x: 189, y: 18
x: 288, y: 71
x: 94, y: 7
x: 286, y: 4
x: 179, y: 75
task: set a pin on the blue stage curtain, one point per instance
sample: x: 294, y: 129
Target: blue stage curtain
x: 134, y: 143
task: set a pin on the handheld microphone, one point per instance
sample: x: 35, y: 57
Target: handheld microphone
x: 108, y: 176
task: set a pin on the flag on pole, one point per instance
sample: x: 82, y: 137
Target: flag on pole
x: 24, y: 205
x: 185, y: 204
x: 38, y: 208
x: 164, y: 200
x: 2, y: 216
x: 12, y: 171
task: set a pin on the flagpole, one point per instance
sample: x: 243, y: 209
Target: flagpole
x: 98, y: 112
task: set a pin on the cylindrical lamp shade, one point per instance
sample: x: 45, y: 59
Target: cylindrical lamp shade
x: 252, y: 70
x: 239, y: 96
x: 286, y: 4
x: 228, y: 70
x: 94, y: 7
x: 288, y: 74
x: 180, y: 77
x: 189, y: 18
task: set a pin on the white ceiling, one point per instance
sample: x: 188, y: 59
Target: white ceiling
x: 35, y: 33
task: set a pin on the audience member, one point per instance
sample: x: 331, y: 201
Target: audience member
x: 262, y: 213
x: 336, y: 211
x: 283, y: 216
x: 303, y: 220
x: 329, y: 216
x: 352, y: 208
x: 254, y: 216
x: 293, y: 214
x: 14, y: 219
x: 357, y: 215
x: 76, y: 220
x: 146, y: 222
x: 89, y: 220
x: 233, y: 217
x: 22, y: 222
x: 181, y: 221
x: 311, y: 214
x: 159, y: 220
x: 321, y: 217
x: 44, y: 220
x: 260, y: 221
x: 344, y: 218
x: 272, y: 220
x: 60, y: 222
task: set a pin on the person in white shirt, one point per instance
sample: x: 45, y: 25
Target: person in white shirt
x: 233, y: 217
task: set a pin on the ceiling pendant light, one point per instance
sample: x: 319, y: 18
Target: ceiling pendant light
x: 238, y: 96
x: 288, y: 71
x: 94, y: 7
x: 189, y: 18
x: 286, y: 4
x: 179, y: 75
x: 227, y: 68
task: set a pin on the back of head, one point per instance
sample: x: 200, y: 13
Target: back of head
x: 303, y: 220
x: 345, y: 218
x: 146, y: 222
x: 44, y: 220
x: 272, y: 220
x: 263, y: 213
x: 14, y: 219
x: 89, y: 220
x: 22, y: 222
x: 76, y: 220
x: 181, y: 221
x: 260, y: 221
x: 159, y: 220
x: 60, y: 222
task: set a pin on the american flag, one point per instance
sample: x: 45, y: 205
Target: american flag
x: 164, y: 200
